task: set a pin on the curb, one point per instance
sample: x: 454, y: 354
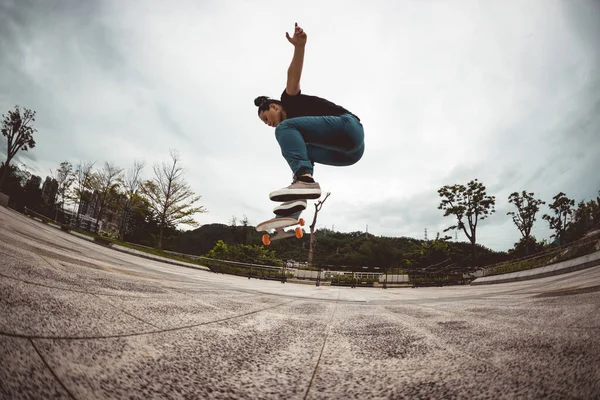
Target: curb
x: 163, y: 260
x: 138, y: 253
x: 542, y: 272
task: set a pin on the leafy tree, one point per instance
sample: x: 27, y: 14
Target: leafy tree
x: 23, y: 175
x: 527, y: 208
x: 469, y: 201
x: 240, y: 233
x: 594, y: 207
x: 526, y: 246
x: 426, y: 253
x: 32, y: 193
x: 15, y: 179
x: 220, y: 251
x: 170, y: 197
x: 585, y: 217
x: 142, y: 226
x: 245, y: 229
x: 16, y: 127
x: 562, y: 212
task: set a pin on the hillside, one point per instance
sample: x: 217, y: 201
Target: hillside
x: 337, y: 248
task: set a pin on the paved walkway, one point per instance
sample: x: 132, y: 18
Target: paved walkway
x: 80, y: 321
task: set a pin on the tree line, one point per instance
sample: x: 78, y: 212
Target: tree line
x: 470, y: 204
x: 163, y: 201
x: 148, y: 212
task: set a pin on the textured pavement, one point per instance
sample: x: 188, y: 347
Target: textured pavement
x: 81, y: 321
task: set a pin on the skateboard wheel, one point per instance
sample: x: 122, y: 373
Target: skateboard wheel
x: 299, y: 232
x: 301, y: 221
x: 266, y: 240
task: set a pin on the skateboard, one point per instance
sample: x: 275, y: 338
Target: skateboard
x: 278, y: 224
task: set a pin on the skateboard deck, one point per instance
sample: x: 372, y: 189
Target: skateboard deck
x: 278, y: 224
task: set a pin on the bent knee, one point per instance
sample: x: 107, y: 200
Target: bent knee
x: 357, y: 154
x: 283, y: 126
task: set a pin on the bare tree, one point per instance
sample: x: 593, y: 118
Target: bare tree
x: 16, y: 127
x: 245, y: 229
x: 108, y: 180
x: 64, y: 177
x: 170, y: 197
x: 83, y: 175
x: 131, y: 183
x: 313, y: 238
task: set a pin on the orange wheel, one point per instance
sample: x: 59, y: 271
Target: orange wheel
x: 299, y: 232
x: 301, y: 221
x: 265, y: 239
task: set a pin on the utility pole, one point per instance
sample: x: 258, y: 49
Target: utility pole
x: 425, y: 234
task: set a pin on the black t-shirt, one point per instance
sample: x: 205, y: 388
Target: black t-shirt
x: 302, y: 105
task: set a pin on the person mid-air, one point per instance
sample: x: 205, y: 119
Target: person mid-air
x: 309, y: 130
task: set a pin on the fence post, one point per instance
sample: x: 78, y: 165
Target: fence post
x: 319, y: 275
x: 385, y: 280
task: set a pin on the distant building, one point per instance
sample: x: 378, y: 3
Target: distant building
x: 113, y: 217
x: 89, y: 204
x: 49, y: 190
x: 89, y: 210
x: 34, y: 182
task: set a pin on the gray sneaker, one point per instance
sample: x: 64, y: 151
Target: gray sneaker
x: 289, y: 208
x: 298, y: 190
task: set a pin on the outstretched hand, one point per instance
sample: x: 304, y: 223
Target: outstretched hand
x: 299, y: 38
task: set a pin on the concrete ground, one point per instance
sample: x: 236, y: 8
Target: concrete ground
x: 81, y: 321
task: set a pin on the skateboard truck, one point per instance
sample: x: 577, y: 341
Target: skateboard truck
x: 278, y: 224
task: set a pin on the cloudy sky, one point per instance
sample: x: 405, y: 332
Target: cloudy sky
x: 504, y: 91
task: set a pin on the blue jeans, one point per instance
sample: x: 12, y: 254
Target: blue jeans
x: 329, y: 140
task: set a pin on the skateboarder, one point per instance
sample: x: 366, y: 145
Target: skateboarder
x: 309, y: 130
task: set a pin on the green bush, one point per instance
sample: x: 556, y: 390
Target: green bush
x: 109, y: 234
x: 103, y: 241
x: 223, y: 267
x: 244, y: 253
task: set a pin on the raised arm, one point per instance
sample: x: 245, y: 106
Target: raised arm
x: 295, y: 70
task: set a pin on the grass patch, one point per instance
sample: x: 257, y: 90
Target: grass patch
x: 554, y: 257
x: 103, y: 241
x: 156, y: 252
x: 519, y: 266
